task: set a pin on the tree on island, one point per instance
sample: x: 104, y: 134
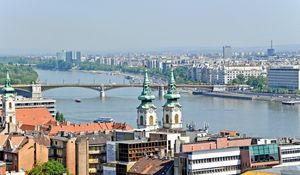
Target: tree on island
x: 49, y: 168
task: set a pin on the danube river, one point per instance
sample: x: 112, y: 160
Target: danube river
x: 253, y: 118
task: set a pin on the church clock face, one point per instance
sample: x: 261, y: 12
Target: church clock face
x: 151, y: 110
x: 176, y: 109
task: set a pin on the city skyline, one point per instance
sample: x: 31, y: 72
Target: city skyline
x: 117, y: 26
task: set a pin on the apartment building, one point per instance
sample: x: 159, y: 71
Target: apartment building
x: 63, y: 150
x: 231, y: 72
x: 21, y: 153
x: 221, y: 74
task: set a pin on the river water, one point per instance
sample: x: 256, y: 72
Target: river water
x: 253, y: 118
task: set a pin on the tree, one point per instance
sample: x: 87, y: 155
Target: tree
x: 49, y: 168
x: 240, y: 79
x: 259, y: 82
x: 59, y: 117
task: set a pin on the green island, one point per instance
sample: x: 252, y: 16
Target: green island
x: 19, y: 74
x: 181, y: 73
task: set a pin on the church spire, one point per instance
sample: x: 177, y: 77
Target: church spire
x: 146, y: 111
x: 172, y: 115
x: 7, y: 81
x: 8, y: 89
x: 146, y: 95
x: 172, y: 95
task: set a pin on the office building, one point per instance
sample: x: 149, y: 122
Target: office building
x: 284, y: 77
x: 224, y: 161
x: 23, y: 102
x: 259, y: 156
x: 227, y: 52
x: 289, y: 154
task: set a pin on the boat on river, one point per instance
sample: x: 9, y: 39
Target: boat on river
x: 77, y: 100
x: 104, y: 120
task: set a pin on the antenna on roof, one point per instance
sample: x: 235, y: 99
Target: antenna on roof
x: 271, y: 44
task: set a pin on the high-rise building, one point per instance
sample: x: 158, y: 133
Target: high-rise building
x: 73, y: 57
x: 61, y: 55
x: 227, y: 52
x: 172, y: 116
x: 69, y: 56
x: 271, y: 51
x: 146, y: 111
x: 78, y: 57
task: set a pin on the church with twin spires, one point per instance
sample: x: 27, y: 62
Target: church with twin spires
x: 172, y: 110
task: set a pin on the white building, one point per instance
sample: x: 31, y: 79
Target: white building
x: 290, y: 154
x: 217, y: 74
x: 22, y: 102
x: 213, y: 162
x: 231, y: 72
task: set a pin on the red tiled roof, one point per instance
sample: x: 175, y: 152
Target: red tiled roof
x: 16, y: 141
x: 34, y: 116
x: 3, y: 139
x: 89, y: 127
x: 149, y: 166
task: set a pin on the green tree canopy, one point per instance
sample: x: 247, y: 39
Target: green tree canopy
x: 60, y: 117
x: 19, y: 74
x: 240, y: 79
x: 49, y: 168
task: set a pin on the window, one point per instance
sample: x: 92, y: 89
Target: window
x: 167, y: 118
x: 176, y: 119
x: 10, y: 105
x: 151, y: 120
x: 141, y: 120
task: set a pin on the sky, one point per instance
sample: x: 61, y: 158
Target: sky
x: 124, y: 25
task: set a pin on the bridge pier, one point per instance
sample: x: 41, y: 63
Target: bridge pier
x: 36, y: 90
x: 102, y: 92
x: 161, y: 91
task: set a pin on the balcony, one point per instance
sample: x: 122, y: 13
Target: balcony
x: 94, y: 161
x: 92, y: 170
x: 94, y: 151
x: 58, y: 146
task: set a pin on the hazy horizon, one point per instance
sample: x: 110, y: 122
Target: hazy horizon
x: 34, y: 26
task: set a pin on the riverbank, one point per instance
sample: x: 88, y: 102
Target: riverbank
x: 271, y: 97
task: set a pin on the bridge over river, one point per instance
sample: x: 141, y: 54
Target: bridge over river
x: 35, y: 90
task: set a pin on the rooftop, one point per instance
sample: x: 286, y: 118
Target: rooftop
x: 150, y: 166
x: 88, y: 127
